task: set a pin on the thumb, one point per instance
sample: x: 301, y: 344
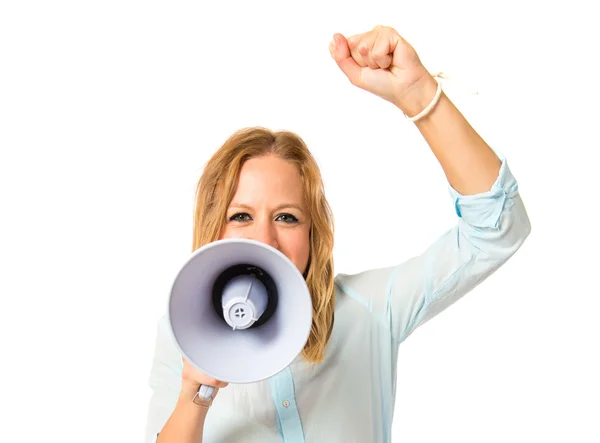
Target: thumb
x: 341, y: 54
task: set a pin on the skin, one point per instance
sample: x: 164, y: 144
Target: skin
x: 269, y: 206
x: 379, y: 61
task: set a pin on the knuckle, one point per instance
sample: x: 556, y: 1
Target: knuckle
x: 378, y: 55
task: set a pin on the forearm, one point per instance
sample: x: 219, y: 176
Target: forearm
x: 470, y: 165
x: 186, y: 423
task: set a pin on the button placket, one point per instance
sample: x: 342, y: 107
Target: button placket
x: 283, y: 393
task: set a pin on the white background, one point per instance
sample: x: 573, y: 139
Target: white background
x: 108, y: 111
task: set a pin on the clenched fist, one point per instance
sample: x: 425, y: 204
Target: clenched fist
x: 382, y: 62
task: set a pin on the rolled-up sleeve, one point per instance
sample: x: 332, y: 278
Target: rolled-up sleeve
x: 491, y: 227
x: 165, y: 381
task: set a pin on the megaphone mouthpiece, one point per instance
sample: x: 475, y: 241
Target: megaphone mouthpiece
x: 244, y: 300
x: 252, y: 288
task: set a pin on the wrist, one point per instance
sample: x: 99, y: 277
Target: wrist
x: 188, y: 390
x: 418, y: 95
x: 186, y: 407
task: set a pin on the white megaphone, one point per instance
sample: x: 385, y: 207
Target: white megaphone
x: 239, y: 311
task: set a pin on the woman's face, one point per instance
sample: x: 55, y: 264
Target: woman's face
x: 269, y: 206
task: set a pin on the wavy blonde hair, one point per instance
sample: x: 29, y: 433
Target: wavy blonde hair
x: 214, y: 193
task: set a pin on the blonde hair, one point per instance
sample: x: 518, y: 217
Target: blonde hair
x: 214, y: 193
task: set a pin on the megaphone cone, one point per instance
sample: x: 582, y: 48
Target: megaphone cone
x: 239, y: 310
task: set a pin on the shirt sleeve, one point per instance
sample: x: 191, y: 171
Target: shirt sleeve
x: 165, y: 381
x: 491, y: 227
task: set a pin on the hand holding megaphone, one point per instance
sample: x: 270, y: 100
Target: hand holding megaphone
x: 192, y: 380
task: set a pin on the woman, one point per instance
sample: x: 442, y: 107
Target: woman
x: 266, y: 186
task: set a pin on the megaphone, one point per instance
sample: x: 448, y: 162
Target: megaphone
x: 239, y: 311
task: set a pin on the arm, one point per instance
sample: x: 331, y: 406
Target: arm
x: 492, y: 223
x: 470, y: 165
x: 186, y: 423
x: 172, y: 415
x: 491, y: 227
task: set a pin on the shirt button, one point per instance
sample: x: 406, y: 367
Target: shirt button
x: 286, y: 403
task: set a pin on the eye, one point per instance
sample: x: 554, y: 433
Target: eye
x: 240, y: 217
x: 287, y: 218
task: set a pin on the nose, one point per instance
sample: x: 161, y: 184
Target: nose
x: 265, y: 232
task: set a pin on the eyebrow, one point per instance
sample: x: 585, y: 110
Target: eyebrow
x: 277, y: 208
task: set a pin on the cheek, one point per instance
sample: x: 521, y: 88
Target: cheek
x: 296, y: 247
x: 228, y: 232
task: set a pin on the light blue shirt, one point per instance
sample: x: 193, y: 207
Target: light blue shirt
x: 350, y: 397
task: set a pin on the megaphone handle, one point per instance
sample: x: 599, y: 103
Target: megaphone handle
x: 206, y: 392
x: 204, y: 396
